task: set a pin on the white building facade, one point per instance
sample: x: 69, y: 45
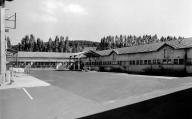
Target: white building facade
x: 167, y: 57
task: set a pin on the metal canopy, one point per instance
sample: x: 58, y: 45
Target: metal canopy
x: 88, y: 53
x: 91, y: 53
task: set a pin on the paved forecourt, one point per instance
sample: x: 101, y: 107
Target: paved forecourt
x: 23, y: 81
x: 77, y: 94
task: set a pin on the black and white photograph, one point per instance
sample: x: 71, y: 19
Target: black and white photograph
x: 95, y: 59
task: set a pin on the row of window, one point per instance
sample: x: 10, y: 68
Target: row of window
x: 140, y: 62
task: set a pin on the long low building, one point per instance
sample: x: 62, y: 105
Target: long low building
x: 167, y: 57
x: 163, y: 57
x: 41, y: 59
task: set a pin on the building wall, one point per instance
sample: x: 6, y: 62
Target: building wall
x: 189, y: 53
x: 166, y: 55
x: 169, y: 53
x: 189, y: 64
x: 163, y: 53
x: 39, y: 62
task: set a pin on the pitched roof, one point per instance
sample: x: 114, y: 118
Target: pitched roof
x: 176, y: 44
x: 179, y: 44
x: 44, y: 54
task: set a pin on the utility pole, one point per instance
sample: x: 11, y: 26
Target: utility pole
x: 2, y: 42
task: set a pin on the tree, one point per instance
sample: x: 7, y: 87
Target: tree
x: 25, y: 43
x: 49, y: 45
x: 162, y: 39
x: 42, y: 45
x: 61, y: 44
x: 38, y: 44
x: 121, y: 41
x: 32, y: 43
x: 154, y: 39
x: 56, y: 44
x: 8, y: 42
x: 66, y: 44
x: 19, y: 47
x: 180, y: 37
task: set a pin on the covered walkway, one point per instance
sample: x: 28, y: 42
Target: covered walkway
x: 78, y: 63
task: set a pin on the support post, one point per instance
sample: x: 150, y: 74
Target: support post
x: 2, y: 46
x: 79, y: 64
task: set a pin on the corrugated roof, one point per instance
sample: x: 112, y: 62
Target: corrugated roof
x: 177, y: 44
x: 133, y: 49
x: 45, y: 54
x: 183, y: 43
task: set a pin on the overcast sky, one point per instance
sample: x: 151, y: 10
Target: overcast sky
x: 93, y: 19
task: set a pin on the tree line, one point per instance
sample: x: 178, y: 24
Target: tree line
x: 59, y: 44
x: 112, y: 42
x: 62, y: 44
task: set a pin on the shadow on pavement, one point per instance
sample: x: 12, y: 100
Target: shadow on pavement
x: 173, y: 106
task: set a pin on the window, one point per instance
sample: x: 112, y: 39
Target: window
x: 145, y: 62
x: 164, y: 61
x: 133, y: 62
x: 189, y: 61
x: 158, y: 61
x: 137, y: 62
x: 181, y: 61
x: 149, y: 61
x: 140, y: 62
x: 176, y: 61
x: 130, y: 62
x: 114, y: 62
x: 154, y: 61
x: 169, y: 61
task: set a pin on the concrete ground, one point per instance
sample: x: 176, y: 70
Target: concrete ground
x: 78, y: 94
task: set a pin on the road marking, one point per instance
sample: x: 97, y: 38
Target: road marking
x: 27, y: 93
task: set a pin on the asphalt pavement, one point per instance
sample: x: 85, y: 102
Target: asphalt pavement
x: 78, y: 94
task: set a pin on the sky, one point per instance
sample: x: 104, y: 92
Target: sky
x: 93, y: 19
